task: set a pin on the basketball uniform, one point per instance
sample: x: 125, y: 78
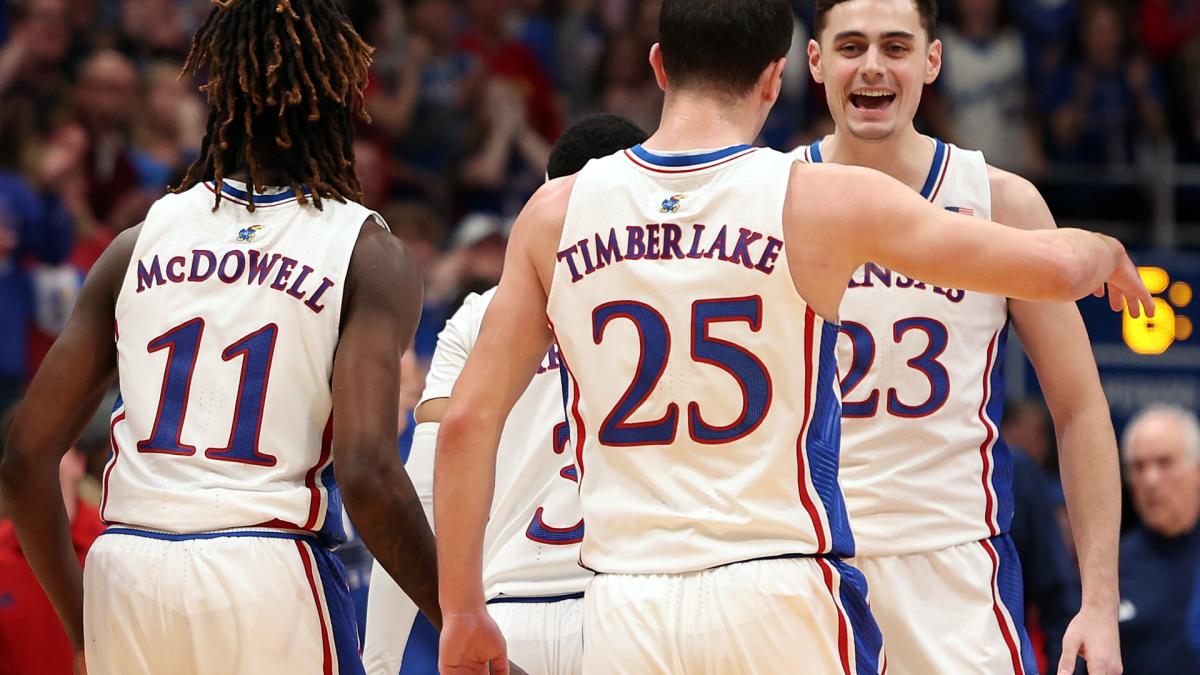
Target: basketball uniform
x: 220, y: 496
x: 703, y: 408
x: 532, y: 578
x: 927, y: 478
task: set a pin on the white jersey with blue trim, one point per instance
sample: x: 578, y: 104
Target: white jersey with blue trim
x: 227, y: 322
x: 923, y: 465
x: 702, y: 390
x: 531, y: 545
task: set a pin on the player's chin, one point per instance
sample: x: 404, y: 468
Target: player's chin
x: 871, y: 130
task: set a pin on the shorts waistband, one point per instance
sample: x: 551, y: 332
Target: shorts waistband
x: 259, y: 533
x: 535, y: 599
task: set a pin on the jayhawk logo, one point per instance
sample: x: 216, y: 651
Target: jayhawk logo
x: 246, y: 234
x: 671, y: 204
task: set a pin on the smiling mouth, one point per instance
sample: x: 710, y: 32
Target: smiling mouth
x: 872, y: 101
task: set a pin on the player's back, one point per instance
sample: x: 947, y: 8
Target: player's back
x: 702, y: 394
x: 227, y: 322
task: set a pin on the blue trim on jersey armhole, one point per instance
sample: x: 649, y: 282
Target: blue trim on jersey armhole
x: 1009, y: 580
x: 1002, y: 464
x: 343, y: 618
x: 823, y: 445
x: 171, y: 536
x: 686, y: 160
x: 935, y: 169
x: 814, y: 152
x: 333, y: 530
x: 534, y: 599
x: 868, y: 639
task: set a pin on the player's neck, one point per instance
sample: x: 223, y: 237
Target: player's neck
x: 268, y: 176
x: 904, y: 156
x: 692, y: 121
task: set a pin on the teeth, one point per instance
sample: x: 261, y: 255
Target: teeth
x: 875, y: 94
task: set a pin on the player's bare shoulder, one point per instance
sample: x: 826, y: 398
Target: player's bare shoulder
x: 538, y: 228
x: 1016, y: 202
x: 547, y: 208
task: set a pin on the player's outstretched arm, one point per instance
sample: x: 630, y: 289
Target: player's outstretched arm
x: 382, y: 307
x: 873, y: 217
x: 512, y: 341
x: 1054, y: 336
x: 61, y: 399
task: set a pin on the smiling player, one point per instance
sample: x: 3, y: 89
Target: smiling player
x: 928, y: 481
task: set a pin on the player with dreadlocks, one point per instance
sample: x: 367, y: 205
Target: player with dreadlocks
x: 259, y: 314
x: 285, y: 80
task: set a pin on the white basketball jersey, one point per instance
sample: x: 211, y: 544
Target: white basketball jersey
x: 923, y: 466
x: 227, y: 323
x: 531, y: 545
x: 703, y: 397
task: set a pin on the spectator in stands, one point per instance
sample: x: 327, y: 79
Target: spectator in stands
x: 1170, y: 29
x: 509, y: 60
x: 95, y: 156
x: 419, y: 226
x: 983, y: 81
x: 626, y: 85
x: 1160, y: 559
x: 33, y: 77
x: 1106, y: 101
x: 502, y: 168
x: 171, y: 127
x: 427, y: 108
x: 32, y: 639
x: 34, y: 228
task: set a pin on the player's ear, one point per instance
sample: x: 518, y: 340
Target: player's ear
x: 771, y: 80
x: 814, y: 62
x: 933, y: 62
x: 656, y: 64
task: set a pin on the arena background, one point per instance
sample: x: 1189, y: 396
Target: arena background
x: 1097, y: 102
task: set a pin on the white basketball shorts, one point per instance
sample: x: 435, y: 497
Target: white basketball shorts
x: 262, y: 602
x: 781, y: 615
x: 957, y: 611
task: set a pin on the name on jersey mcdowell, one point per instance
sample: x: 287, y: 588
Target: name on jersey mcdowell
x: 272, y: 270
x: 870, y: 275
x: 668, y: 241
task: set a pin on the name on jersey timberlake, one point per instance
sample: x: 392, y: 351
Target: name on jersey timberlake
x: 273, y: 270
x: 668, y: 241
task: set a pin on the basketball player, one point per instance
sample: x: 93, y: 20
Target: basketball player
x: 255, y: 322
x: 692, y: 284
x: 928, y: 481
x: 533, y: 581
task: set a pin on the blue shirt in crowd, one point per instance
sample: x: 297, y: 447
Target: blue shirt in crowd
x: 1160, y: 603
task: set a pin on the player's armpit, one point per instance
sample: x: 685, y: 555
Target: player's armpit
x: 382, y: 307
x: 60, y: 401
x: 431, y: 411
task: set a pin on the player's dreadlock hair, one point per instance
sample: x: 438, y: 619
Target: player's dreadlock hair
x: 285, y: 79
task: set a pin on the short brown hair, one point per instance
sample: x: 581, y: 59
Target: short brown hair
x: 723, y: 44
x: 928, y: 9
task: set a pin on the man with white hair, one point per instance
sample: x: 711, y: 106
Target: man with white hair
x: 1160, y: 559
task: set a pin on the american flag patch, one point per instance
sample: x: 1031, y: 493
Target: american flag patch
x: 961, y: 209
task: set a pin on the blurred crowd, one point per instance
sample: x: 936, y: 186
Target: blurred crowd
x: 466, y: 98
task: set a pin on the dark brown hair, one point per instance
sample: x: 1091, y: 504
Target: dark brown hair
x: 285, y: 81
x: 723, y: 44
x: 928, y: 9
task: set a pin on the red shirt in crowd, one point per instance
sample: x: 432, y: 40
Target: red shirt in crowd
x: 32, y: 640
